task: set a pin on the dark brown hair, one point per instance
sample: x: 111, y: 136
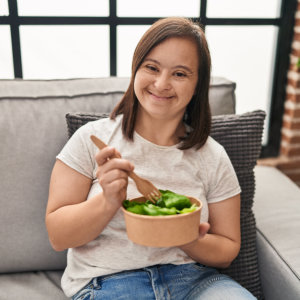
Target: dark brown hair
x: 197, y: 114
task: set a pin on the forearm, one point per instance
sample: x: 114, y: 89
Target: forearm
x: 213, y: 250
x: 75, y: 225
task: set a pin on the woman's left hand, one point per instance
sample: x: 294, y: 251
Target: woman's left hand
x: 220, y: 246
x: 203, y: 230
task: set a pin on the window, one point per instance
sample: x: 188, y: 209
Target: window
x: 64, y: 51
x: 127, y: 38
x: 6, y: 63
x: 248, y: 41
x: 63, y: 8
x: 243, y: 9
x: 246, y: 55
x: 3, y: 8
x: 158, y: 8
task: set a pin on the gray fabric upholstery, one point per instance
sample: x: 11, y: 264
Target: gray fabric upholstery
x: 277, y: 211
x: 221, y: 96
x: 32, y: 286
x: 241, y: 137
x: 32, y: 128
x: 64, y: 88
x: 32, y: 132
x: 277, y: 277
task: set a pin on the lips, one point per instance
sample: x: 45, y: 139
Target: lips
x: 160, y: 97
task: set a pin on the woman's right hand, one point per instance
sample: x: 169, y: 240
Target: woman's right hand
x: 112, y: 174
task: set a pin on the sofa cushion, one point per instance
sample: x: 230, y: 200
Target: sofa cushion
x: 277, y: 211
x: 222, y: 96
x: 241, y: 137
x: 278, y: 279
x: 32, y: 285
x: 32, y: 133
x: 221, y: 92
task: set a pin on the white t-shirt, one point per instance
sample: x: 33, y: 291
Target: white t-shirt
x: 206, y: 174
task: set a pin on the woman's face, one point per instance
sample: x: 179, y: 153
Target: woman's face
x: 166, y: 80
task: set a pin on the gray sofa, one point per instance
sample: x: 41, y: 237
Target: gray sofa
x: 33, y: 129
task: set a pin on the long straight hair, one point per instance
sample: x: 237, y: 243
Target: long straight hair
x: 197, y: 114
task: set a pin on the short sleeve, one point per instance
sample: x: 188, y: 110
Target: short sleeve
x: 223, y: 182
x: 77, y: 152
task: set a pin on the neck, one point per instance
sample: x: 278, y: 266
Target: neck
x: 160, y: 131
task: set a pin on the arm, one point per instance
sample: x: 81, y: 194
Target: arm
x: 222, y: 243
x: 71, y: 220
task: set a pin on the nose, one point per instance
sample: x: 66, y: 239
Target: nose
x: 162, y: 81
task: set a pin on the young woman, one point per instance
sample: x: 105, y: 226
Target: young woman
x: 161, y: 129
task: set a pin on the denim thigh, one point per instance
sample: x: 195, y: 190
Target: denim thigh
x: 86, y: 293
x: 165, y: 282
x: 219, y: 287
x: 127, y: 285
x: 195, y: 281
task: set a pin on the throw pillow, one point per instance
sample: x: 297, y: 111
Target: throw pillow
x: 76, y: 120
x: 241, y: 137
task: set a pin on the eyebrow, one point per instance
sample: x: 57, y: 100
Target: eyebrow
x: 178, y: 66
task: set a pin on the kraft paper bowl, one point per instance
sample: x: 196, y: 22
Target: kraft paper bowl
x: 163, y: 231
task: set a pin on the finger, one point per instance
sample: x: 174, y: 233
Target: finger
x: 118, y: 185
x: 117, y: 154
x: 111, y: 176
x: 104, y: 155
x: 116, y: 163
x: 116, y: 190
x: 203, y: 229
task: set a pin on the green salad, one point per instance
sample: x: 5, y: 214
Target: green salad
x: 169, y: 203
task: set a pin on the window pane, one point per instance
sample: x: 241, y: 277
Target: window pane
x: 243, y: 9
x: 3, y: 8
x: 154, y: 8
x: 65, y: 51
x: 63, y: 8
x: 127, y: 39
x: 245, y: 55
x: 6, y: 61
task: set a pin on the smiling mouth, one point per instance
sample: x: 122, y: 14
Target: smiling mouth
x: 159, y: 97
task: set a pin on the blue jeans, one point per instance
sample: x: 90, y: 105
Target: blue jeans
x: 162, y: 282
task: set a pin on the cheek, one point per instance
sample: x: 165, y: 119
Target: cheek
x: 187, y: 92
x: 137, y: 84
x: 140, y: 82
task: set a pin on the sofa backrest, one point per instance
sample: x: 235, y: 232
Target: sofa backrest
x: 32, y: 132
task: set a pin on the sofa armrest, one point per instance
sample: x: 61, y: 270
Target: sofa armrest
x: 277, y: 211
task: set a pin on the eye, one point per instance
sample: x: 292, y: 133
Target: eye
x: 152, y: 68
x: 180, y: 74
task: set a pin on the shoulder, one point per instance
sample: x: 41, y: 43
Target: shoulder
x: 211, y: 149
x: 208, y: 155
x: 103, y: 128
x: 220, y: 175
x: 79, y: 151
x: 210, y: 158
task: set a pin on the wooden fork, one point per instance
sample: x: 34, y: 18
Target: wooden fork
x: 145, y: 187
